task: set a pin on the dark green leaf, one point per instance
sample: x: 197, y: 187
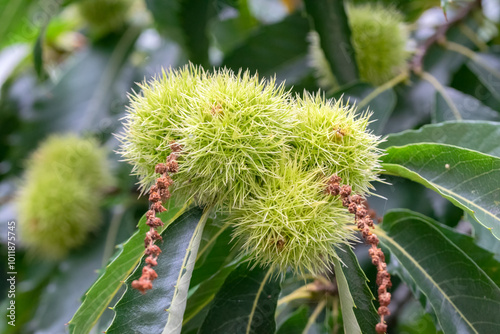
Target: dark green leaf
x: 137, y: 313
x: 362, y: 298
x: 186, y: 22
x: 17, y: 25
x: 272, y: 48
x: 31, y: 281
x: 61, y: 298
x: 489, y: 73
x: 482, y: 257
x: 467, y: 178
x: 38, y: 56
x: 104, y: 289
x: 197, y: 303
x: 214, y: 263
x: 381, y: 106
x: 484, y: 238
x: 246, y: 303
x: 10, y: 58
x: 331, y: 23
x: 479, y: 136
x: 464, y: 298
x: 214, y: 253
x: 467, y: 106
x: 296, y: 323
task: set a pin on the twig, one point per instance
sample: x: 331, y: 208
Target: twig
x: 382, y: 88
x: 471, y: 55
x: 439, y: 87
x: 440, y: 33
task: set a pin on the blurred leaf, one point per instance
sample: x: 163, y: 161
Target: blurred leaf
x: 412, y: 319
x: 489, y: 76
x: 61, y: 298
x: 354, y: 293
x: 442, y: 63
x: 17, y: 25
x: 272, y: 48
x: 231, y: 33
x: 467, y: 106
x: 467, y: 178
x: 399, y: 192
x: 467, y: 82
x: 484, y: 238
x: 296, y: 323
x: 479, y: 136
x: 98, y: 297
x: 381, y: 106
x: 31, y: 281
x: 246, y: 303
x: 38, y: 55
x: 411, y: 9
x: 81, y: 101
x: 84, y: 94
x: 10, y: 58
x: 464, y: 298
x: 186, y: 22
x: 331, y: 23
x: 147, y: 313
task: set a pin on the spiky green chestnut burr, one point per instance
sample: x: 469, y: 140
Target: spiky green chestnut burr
x: 379, y: 38
x: 332, y: 137
x: 235, y: 129
x: 154, y: 120
x: 104, y: 16
x: 58, y: 200
x: 291, y: 222
x: 232, y: 129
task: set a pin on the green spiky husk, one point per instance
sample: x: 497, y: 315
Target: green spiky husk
x: 291, y: 222
x: 59, y: 198
x: 253, y: 151
x: 332, y: 137
x: 379, y: 38
x: 232, y: 128
x: 154, y: 120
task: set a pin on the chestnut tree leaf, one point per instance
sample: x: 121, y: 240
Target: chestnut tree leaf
x: 147, y: 313
x: 331, y: 23
x: 463, y: 297
x: 296, y: 323
x: 356, y: 299
x: 100, y: 294
x: 467, y: 178
x: 246, y: 303
x: 481, y: 136
x: 272, y: 49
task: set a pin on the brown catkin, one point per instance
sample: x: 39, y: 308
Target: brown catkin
x: 158, y: 194
x: 356, y: 205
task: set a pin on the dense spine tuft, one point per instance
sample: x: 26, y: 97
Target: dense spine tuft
x: 232, y: 127
x: 331, y: 136
x: 251, y: 150
x: 292, y: 222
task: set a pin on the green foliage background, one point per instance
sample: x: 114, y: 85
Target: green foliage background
x: 60, y: 73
